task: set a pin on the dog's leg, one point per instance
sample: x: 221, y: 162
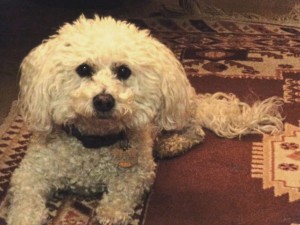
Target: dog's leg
x: 30, y: 186
x: 126, y: 188
x: 28, y: 194
x: 124, y: 193
x: 174, y: 143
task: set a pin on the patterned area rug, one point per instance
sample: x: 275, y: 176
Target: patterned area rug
x: 250, y: 181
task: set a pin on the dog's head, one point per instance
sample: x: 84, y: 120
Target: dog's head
x: 103, y: 75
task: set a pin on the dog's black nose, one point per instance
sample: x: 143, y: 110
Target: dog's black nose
x: 103, y: 102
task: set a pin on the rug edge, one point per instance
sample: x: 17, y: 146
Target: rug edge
x: 13, y: 112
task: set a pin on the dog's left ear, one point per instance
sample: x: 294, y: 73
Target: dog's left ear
x: 177, y: 93
x: 35, y: 86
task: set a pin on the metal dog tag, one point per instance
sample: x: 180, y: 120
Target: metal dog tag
x: 126, y: 158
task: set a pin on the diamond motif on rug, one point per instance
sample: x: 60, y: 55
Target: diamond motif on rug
x: 276, y: 160
x: 291, y: 90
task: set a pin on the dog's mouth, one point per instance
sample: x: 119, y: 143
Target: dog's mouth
x: 104, y: 116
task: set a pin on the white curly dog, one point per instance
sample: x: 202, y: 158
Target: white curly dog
x: 99, y: 96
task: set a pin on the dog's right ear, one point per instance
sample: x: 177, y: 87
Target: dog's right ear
x: 34, y: 96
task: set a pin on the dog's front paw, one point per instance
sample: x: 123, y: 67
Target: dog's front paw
x: 108, y: 215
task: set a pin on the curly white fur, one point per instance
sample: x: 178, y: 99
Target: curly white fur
x: 156, y: 107
x: 228, y: 117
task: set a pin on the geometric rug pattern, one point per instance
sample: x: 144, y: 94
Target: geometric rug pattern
x: 276, y: 160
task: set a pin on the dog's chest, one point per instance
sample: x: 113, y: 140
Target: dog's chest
x: 89, y: 173
x: 76, y: 167
x: 91, y: 167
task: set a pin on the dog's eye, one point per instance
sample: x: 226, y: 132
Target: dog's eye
x: 84, y: 70
x: 123, y: 72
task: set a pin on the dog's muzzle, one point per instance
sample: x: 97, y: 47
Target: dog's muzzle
x: 103, y: 103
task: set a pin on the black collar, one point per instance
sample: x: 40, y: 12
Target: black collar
x: 94, y: 141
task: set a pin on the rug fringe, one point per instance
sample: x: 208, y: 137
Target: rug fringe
x: 257, y: 164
